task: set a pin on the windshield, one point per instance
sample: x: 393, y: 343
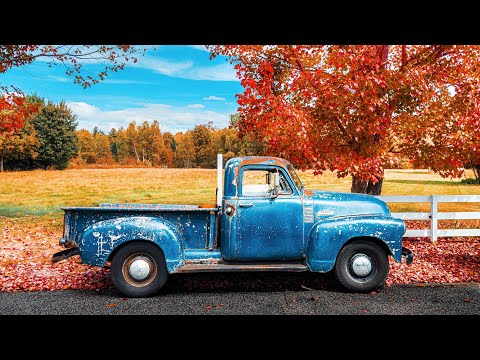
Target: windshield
x: 295, y: 177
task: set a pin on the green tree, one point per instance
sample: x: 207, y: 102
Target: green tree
x: 112, y: 136
x: 55, y: 126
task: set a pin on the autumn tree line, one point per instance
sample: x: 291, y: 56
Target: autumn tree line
x: 49, y: 139
x: 145, y: 144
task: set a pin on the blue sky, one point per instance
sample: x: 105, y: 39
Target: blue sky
x: 178, y: 85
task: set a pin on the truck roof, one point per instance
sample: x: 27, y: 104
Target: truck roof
x: 238, y: 162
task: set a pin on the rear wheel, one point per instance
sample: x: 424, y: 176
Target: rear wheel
x: 138, y: 269
x: 361, y: 266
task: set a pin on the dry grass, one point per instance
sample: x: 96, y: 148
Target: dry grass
x: 42, y: 193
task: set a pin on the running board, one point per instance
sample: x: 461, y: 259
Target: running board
x: 224, y: 267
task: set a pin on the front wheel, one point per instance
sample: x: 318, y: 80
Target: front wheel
x: 361, y: 266
x: 138, y: 269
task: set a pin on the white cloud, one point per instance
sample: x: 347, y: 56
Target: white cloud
x: 171, y: 118
x: 163, y: 66
x: 199, y: 47
x: 222, y: 72
x: 59, y: 78
x: 214, y: 98
x: 125, y: 81
x: 195, y: 106
x: 187, y: 69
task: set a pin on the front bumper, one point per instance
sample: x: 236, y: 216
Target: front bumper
x: 65, y: 254
x: 408, y: 255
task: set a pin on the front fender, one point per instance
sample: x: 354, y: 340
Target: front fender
x: 100, y: 239
x: 329, y: 236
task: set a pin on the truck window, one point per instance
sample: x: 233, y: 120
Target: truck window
x: 260, y: 183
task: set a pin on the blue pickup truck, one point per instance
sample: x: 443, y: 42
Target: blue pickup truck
x: 264, y: 220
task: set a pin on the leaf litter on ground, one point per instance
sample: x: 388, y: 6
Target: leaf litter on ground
x: 26, y: 250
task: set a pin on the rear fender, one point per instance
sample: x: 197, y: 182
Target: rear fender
x: 102, y: 238
x: 327, y: 237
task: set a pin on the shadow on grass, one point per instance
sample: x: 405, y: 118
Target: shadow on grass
x: 14, y: 212
x: 401, y: 171
x: 428, y: 182
x: 247, y: 282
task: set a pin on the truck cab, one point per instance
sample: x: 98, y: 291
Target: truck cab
x: 264, y: 220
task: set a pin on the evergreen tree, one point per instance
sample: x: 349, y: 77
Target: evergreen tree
x: 55, y: 127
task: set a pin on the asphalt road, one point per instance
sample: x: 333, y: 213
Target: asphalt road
x: 298, y: 294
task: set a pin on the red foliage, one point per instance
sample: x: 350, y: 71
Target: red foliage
x: 445, y: 262
x: 26, y: 249
x: 353, y: 109
x: 13, y: 111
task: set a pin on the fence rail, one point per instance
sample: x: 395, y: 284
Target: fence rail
x: 433, y: 216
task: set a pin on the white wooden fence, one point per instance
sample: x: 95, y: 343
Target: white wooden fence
x: 433, y: 216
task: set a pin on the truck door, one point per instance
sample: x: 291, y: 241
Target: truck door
x: 268, y: 229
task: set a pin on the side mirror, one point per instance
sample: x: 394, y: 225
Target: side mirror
x: 276, y: 187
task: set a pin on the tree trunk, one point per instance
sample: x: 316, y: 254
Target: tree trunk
x: 136, y: 153
x: 1, y: 163
x: 476, y: 171
x: 366, y: 187
x: 363, y: 186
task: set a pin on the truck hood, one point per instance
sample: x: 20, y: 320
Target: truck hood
x: 328, y: 204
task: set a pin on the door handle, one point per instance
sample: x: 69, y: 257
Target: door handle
x: 246, y: 205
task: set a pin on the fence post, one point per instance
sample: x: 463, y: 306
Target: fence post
x: 433, y: 218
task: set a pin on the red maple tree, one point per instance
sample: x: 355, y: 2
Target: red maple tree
x: 355, y: 109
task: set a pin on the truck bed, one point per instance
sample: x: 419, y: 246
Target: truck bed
x: 196, y: 225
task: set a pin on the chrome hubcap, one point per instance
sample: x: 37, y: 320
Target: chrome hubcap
x: 139, y: 268
x: 361, y: 265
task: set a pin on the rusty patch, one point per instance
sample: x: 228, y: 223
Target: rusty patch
x: 207, y: 206
x: 203, y: 261
x: 262, y: 160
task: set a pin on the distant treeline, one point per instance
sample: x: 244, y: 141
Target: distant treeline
x: 145, y: 144
x: 49, y: 139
